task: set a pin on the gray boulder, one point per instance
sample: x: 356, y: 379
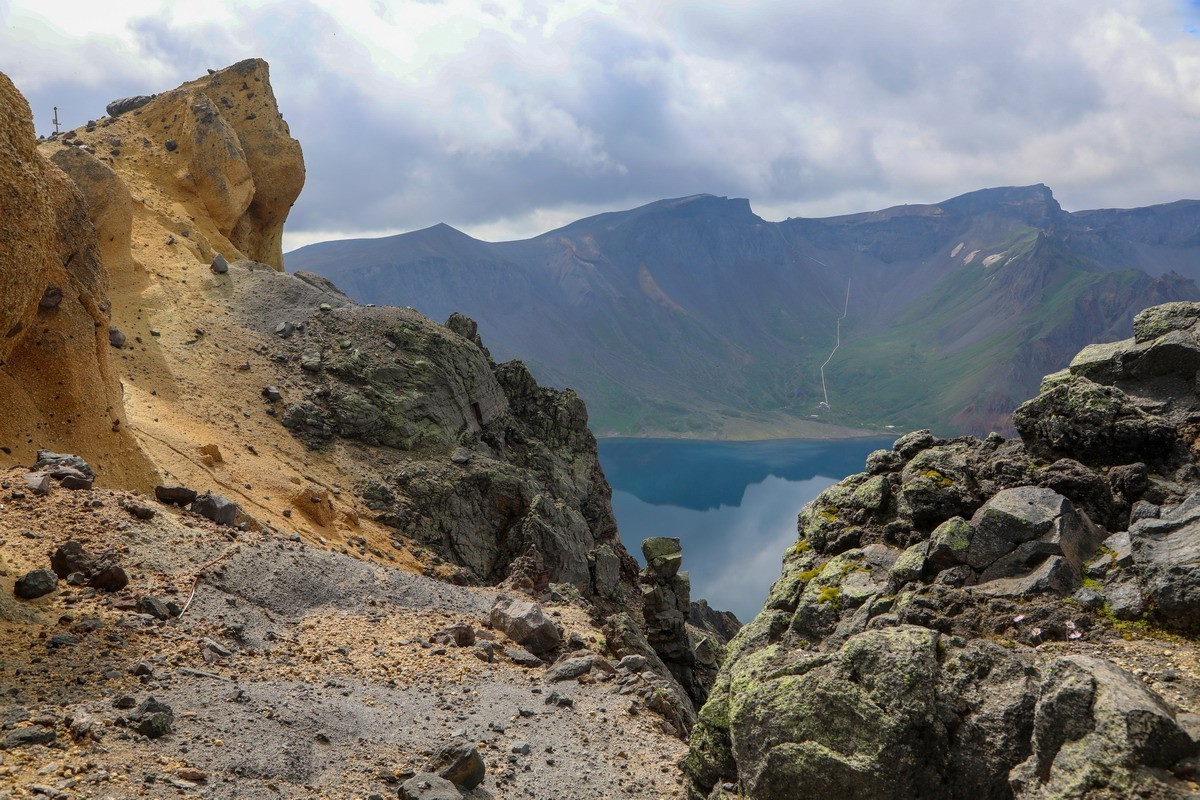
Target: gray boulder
x: 458, y: 762
x: 605, y: 567
x: 525, y: 623
x: 1098, y: 726
x: 1166, y: 556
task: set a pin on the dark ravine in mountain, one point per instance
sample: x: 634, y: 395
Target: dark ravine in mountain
x: 961, y: 619
x: 695, y: 316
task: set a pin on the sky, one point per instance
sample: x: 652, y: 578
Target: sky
x: 506, y: 119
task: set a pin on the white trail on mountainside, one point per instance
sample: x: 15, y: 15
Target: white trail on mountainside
x: 845, y: 311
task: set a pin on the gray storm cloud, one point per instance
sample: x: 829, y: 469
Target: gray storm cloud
x: 499, y: 117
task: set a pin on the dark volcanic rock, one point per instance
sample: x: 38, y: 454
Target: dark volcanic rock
x: 722, y: 624
x: 869, y: 673
x: 458, y: 762
x: 174, y: 495
x: 126, y: 104
x: 35, y: 584
x: 71, y: 557
x: 215, y: 507
x: 152, y: 718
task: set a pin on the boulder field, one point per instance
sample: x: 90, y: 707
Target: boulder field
x: 989, y: 618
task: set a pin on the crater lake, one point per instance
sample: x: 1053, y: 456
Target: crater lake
x: 733, y: 504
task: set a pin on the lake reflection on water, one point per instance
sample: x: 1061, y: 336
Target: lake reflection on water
x: 733, y: 504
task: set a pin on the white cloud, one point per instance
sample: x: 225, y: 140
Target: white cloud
x: 493, y: 116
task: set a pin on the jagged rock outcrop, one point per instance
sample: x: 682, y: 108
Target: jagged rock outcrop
x: 59, y: 387
x: 459, y: 454
x: 217, y: 146
x: 899, y: 655
x: 666, y: 600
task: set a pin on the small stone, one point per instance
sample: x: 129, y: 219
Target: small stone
x: 125, y: 701
x: 219, y: 265
x: 152, y: 718
x: 110, y: 578
x: 37, y: 482
x: 139, y: 510
x: 284, y: 330
x: 559, y: 700
x: 272, y: 394
x: 154, y: 607
x: 170, y: 145
x: 522, y: 657
x: 310, y: 360
x: 51, y: 298
x: 116, y: 338
x: 633, y: 663
x: 71, y: 557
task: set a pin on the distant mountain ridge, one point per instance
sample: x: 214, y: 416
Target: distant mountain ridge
x: 694, y: 316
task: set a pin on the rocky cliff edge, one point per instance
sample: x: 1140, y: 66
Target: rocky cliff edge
x: 990, y: 618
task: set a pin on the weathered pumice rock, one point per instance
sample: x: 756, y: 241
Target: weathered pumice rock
x: 868, y: 673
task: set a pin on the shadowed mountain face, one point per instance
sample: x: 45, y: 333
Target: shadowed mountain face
x: 696, y: 316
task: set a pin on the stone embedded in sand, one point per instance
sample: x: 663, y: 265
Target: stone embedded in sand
x: 35, y: 584
x: 219, y: 265
x: 215, y: 507
x: 458, y: 762
x: 210, y: 455
x: 152, y: 718
x: 174, y: 495
x: 428, y: 786
x: 316, y: 503
x: 51, y: 298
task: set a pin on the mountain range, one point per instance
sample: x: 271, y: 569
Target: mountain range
x: 696, y: 317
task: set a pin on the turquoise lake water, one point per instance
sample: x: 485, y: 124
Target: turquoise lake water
x: 733, y: 504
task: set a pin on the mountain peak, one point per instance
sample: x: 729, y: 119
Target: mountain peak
x: 1036, y: 203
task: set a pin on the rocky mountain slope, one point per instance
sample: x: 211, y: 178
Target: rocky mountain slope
x: 280, y: 521
x: 696, y: 316
x: 988, y: 617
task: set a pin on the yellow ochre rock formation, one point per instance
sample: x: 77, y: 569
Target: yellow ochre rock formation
x: 59, y: 387
x: 207, y: 169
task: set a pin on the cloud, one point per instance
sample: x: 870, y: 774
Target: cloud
x: 495, y: 116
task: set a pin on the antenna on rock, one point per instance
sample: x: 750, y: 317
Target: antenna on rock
x: 56, y: 120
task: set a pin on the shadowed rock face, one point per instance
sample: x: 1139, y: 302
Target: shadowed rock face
x: 873, y: 671
x: 59, y: 388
